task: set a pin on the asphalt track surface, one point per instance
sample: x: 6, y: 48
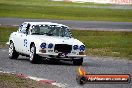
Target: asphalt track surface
x: 65, y: 72
x: 82, y: 25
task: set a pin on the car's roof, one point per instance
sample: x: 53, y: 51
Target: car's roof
x: 44, y: 23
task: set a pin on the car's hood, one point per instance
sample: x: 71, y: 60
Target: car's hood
x: 59, y: 40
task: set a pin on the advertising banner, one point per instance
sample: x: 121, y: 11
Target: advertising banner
x: 101, y: 1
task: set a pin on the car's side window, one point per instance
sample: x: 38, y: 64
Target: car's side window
x: 22, y: 28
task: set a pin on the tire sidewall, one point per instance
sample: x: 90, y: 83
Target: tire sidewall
x: 12, y: 52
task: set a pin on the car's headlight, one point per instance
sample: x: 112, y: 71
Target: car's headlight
x: 75, y: 47
x: 43, y: 45
x: 50, y: 45
x: 82, y: 48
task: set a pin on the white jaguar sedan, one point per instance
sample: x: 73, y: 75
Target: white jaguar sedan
x: 45, y: 39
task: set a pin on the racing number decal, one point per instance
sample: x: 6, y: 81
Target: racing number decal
x: 25, y: 42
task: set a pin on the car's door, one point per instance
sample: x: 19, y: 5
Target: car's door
x: 17, y: 38
x: 16, y: 41
x: 24, y: 43
x: 24, y: 40
x: 21, y: 41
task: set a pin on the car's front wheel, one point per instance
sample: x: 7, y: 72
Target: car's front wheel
x: 78, y: 61
x: 13, y: 54
x: 34, y: 58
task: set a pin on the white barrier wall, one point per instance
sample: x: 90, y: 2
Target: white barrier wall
x: 101, y: 1
x: 120, y: 1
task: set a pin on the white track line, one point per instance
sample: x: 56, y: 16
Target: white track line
x: 4, y: 50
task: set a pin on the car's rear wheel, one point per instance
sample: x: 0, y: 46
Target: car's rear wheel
x: 34, y: 58
x: 13, y: 54
x: 78, y: 61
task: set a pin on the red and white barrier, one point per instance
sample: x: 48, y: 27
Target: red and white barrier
x: 40, y: 80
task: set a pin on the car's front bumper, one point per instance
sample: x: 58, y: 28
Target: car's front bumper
x: 58, y: 55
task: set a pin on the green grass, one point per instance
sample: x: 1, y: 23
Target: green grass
x: 99, y: 43
x: 64, y: 11
x: 103, y: 43
x: 4, y: 35
x: 49, y: 2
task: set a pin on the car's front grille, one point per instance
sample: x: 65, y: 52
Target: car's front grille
x: 64, y: 48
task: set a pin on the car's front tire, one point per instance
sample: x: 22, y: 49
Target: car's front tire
x: 78, y: 61
x: 34, y: 58
x: 13, y: 54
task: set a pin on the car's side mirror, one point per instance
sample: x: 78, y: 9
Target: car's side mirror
x: 27, y: 28
x: 26, y: 32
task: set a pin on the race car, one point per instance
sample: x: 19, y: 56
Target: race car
x: 45, y: 40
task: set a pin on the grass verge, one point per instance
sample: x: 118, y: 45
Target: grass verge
x: 61, y: 10
x: 99, y: 43
x: 12, y: 81
x: 106, y: 43
x: 4, y: 35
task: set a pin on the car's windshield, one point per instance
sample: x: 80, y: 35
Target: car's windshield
x: 51, y: 30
